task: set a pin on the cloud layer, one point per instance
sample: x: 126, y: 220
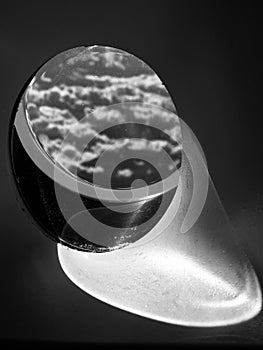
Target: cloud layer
x: 73, y: 103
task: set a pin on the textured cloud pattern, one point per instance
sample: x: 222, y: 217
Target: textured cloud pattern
x: 73, y: 95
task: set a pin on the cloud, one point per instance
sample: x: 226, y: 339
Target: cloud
x: 125, y: 172
x: 66, y: 110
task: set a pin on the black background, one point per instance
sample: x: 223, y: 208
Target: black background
x: 208, y: 55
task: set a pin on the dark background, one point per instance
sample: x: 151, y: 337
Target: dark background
x: 208, y: 55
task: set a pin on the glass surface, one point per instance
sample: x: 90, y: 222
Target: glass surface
x: 103, y: 164
x: 103, y: 117
x: 67, y: 99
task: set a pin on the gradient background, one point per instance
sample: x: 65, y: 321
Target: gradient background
x: 208, y: 56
